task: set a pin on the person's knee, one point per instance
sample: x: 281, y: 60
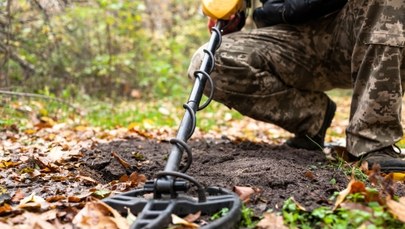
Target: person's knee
x: 195, y: 62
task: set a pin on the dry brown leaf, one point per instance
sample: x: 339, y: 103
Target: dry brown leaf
x: 193, y: 217
x: 310, y: 175
x: 5, y: 208
x: 18, y: 196
x: 124, y: 178
x: 55, y: 198
x: 271, y: 221
x: 342, y: 194
x: 179, y: 221
x: 354, y: 186
x: 87, y: 180
x: 244, y: 193
x: 358, y: 187
x: 397, y: 208
x: 33, y: 203
x: 96, y: 214
x: 136, y: 178
x: 74, y: 199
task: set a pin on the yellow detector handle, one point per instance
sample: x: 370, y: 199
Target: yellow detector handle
x: 221, y: 9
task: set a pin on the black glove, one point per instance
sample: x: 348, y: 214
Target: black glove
x: 271, y: 13
x: 293, y: 11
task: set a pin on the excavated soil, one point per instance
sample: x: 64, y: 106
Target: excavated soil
x: 278, y: 171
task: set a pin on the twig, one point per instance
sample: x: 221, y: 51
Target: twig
x: 21, y: 94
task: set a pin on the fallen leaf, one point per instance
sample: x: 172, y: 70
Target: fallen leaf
x: 100, y: 194
x: 5, y: 208
x: 271, y: 221
x: 33, y: 203
x: 244, y: 193
x: 358, y: 187
x: 74, y: 199
x: 8, y: 164
x: 397, y: 208
x: 97, y: 214
x: 55, y: 198
x: 130, y: 217
x: 397, y: 176
x: 310, y: 175
x: 18, y: 196
x: 342, y: 194
x: 136, y: 178
x: 87, y: 180
x: 179, y: 221
x: 193, y: 217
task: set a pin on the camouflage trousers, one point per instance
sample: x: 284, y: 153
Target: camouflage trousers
x: 279, y: 74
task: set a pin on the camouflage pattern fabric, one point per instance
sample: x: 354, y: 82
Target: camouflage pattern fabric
x: 279, y: 74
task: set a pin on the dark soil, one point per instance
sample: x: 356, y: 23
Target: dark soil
x: 278, y: 171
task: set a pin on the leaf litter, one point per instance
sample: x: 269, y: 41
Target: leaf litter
x: 53, y: 174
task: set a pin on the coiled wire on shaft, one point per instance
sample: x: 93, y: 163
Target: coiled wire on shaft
x: 182, y: 145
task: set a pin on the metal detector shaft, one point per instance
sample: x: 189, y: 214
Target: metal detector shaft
x: 187, y: 126
x: 171, y: 183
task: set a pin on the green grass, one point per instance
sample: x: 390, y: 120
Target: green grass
x: 110, y: 115
x: 364, y: 215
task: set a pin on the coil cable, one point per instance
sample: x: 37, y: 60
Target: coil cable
x: 181, y: 144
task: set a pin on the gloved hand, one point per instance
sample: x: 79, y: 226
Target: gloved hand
x: 271, y: 13
x: 293, y: 11
x: 234, y: 24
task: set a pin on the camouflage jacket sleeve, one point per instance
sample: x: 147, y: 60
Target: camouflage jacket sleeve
x: 275, y: 12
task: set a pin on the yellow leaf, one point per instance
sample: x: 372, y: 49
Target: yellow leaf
x: 8, y: 164
x: 48, y: 120
x: 80, y: 128
x: 133, y: 125
x: 30, y: 131
x: 397, y: 176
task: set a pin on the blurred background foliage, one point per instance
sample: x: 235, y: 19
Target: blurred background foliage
x: 99, y: 48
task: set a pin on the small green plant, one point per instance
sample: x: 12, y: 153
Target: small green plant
x: 247, y: 218
x: 219, y: 214
x: 350, y: 170
x: 371, y: 215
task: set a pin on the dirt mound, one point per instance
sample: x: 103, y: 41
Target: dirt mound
x: 278, y: 171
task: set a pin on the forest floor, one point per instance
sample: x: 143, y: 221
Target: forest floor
x: 53, y: 174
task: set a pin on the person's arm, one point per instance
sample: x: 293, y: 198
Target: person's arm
x: 275, y: 12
